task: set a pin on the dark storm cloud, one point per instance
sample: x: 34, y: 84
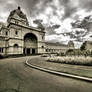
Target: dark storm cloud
x: 2, y: 1
x: 7, y: 5
x: 34, y: 7
x: 70, y: 6
x: 50, y: 30
x: 69, y: 9
x: 86, y: 4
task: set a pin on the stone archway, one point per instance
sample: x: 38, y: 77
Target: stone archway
x: 30, y: 44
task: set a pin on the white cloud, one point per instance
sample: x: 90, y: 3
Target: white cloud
x: 57, y: 38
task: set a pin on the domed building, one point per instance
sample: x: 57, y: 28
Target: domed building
x: 18, y: 17
x: 17, y: 37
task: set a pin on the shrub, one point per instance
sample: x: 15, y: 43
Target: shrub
x: 77, y: 60
x: 1, y: 56
x: 78, y: 52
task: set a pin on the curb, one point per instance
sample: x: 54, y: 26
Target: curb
x: 58, y: 73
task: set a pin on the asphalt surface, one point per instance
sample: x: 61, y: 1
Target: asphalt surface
x: 15, y: 76
x: 84, y: 71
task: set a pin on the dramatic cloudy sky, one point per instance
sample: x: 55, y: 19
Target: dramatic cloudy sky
x: 53, y: 12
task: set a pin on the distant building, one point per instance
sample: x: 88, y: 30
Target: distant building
x: 17, y: 37
x: 57, y: 47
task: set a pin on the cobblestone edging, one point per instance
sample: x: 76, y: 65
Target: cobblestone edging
x: 58, y: 73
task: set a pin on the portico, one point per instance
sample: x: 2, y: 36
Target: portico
x: 30, y: 44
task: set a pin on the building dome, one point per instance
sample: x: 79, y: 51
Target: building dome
x: 19, y: 15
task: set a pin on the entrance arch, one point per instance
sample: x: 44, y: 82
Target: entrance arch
x: 30, y: 44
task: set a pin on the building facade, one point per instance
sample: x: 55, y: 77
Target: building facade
x: 17, y: 37
x: 57, y: 47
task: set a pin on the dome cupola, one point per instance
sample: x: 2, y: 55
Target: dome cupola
x: 18, y: 17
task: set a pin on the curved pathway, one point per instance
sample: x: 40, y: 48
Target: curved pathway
x: 52, y: 71
x: 14, y: 74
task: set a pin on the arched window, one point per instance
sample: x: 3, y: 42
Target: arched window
x: 6, y: 33
x: 16, y: 45
x: 16, y: 48
x: 42, y: 37
x: 16, y: 32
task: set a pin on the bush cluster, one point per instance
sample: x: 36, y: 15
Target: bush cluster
x: 79, y: 52
x: 75, y: 60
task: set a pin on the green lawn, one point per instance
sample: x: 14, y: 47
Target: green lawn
x: 67, y: 68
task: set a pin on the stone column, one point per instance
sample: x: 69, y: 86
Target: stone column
x: 30, y: 50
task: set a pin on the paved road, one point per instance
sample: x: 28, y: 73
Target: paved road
x: 14, y: 74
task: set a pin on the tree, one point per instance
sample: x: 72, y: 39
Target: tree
x: 83, y: 47
x: 39, y: 24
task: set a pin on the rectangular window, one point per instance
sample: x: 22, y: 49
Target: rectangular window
x: 42, y: 37
x: 46, y: 50
x: 16, y: 32
x: 6, y: 33
x: 1, y: 50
